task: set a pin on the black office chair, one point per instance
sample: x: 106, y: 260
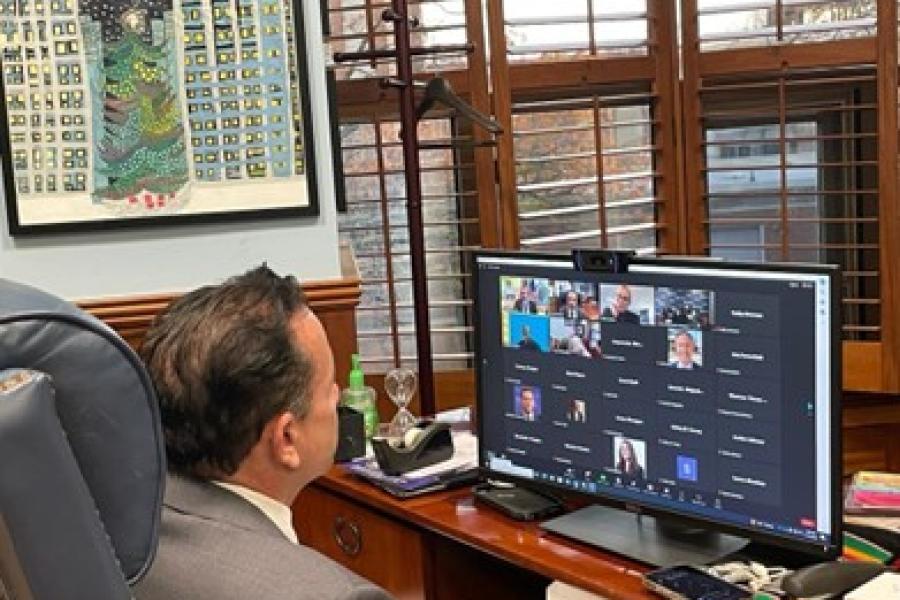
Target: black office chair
x: 82, y: 465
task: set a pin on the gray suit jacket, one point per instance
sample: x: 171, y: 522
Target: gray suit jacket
x: 214, y: 545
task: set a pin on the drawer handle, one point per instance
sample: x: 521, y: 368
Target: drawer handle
x: 348, y: 536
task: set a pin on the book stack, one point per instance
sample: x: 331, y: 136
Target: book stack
x: 873, y: 493
x: 872, y: 517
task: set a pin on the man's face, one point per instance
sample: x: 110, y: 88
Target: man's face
x: 318, y: 429
x: 623, y: 298
x: 523, y: 293
x: 572, y: 299
x: 684, y: 348
x: 527, y: 401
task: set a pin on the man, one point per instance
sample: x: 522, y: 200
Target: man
x: 576, y: 412
x: 571, y: 307
x: 526, y: 342
x: 590, y: 309
x: 576, y: 343
x: 527, y: 408
x: 245, y: 379
x: 619, y: 309
x: 525, y: 303
x: 684, y: 351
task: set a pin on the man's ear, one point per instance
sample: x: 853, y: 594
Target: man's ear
x: 285, y: 440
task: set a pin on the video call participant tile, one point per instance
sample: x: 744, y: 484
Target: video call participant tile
x: 693, y: 390
x: 575, y: 374
x: 576, y: 411
x: 525, y: 402
x: 575, y: 337
x: 629, y: 382
x: 748, y: 440
x: 574, y: 300
x: 684, y: 349
x: 749, y: 481
x: 527, y: 332
x: 686, y: 468
x: 525, y: 295
x: 748, y: 314
x: 627, y: 304
x: 693, y: 430
x: 567, y: 411
x: 629, y: 458
x: 635, y: 345
x: 756, y: 397
x: 623, y: 417
x: 575, y: 452
x: 684, y: 307
x: 748, y: 357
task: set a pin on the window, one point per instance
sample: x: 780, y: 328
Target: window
x: 753, y: 135
x: 584, y: 174
x: 357, y: 25
x: 728, y: 24
x: 802, y: 187
x: 375, y: 226
x: 568, y: 28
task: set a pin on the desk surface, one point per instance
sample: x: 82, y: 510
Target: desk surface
x: 454, y: 515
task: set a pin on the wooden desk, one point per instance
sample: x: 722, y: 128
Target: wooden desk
x: 443, y: 546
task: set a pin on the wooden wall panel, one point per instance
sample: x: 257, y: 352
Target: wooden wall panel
x: 334, y: 302
x: 799, y: 56
x: 889, y: 214
x: 871, y: 432
x: 862, y: 366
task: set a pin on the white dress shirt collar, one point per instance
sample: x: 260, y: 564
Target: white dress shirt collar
x: 276, y: 512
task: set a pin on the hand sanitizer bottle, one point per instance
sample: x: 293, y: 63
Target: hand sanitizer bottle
x: 358, y: 396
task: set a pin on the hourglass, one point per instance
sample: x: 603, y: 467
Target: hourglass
x: 400, y: 385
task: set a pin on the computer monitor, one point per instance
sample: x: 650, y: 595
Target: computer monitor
x: 700, y: 392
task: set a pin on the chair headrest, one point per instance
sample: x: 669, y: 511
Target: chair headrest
x: 107, y: 408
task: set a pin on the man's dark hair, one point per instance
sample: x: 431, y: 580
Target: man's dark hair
x: 224, y: 362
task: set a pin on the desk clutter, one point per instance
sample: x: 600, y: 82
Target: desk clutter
x: 419, y: 447
x: 458, y: 468
x: 873, y: 493
x: 866, y: 570
x: 408, y: 457
x: 745, y: 580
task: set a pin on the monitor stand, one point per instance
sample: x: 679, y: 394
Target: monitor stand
x: 644, y: 538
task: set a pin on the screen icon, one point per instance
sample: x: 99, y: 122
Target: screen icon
x: 686, y: 467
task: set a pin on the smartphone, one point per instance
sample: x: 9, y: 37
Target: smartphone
x: 689, y: 583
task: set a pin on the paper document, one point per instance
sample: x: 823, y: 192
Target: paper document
x: 884, y: 587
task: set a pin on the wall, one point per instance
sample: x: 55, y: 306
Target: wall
x: 172, y: 259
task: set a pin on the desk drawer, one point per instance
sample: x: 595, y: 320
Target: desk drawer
x: 378, y: 548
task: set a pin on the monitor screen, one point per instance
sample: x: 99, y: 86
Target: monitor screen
x: 695, y: 389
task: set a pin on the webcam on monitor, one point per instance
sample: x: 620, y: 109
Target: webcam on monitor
x: 603, y: 261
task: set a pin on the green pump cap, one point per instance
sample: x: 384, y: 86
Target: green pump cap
x: 356, y: 379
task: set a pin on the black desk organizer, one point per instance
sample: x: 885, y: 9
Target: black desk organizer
x: 434, y: 445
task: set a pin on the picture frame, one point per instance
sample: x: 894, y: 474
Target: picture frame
x: 126, y: 113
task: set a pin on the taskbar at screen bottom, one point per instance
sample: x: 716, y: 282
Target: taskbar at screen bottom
x: 660, y: 496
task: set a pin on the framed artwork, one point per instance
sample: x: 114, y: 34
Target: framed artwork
x: 136, y: 112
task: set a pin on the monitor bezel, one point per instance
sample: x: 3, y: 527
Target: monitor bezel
x: 815, y: 549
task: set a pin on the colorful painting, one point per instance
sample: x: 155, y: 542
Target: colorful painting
x: 126, y: 112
